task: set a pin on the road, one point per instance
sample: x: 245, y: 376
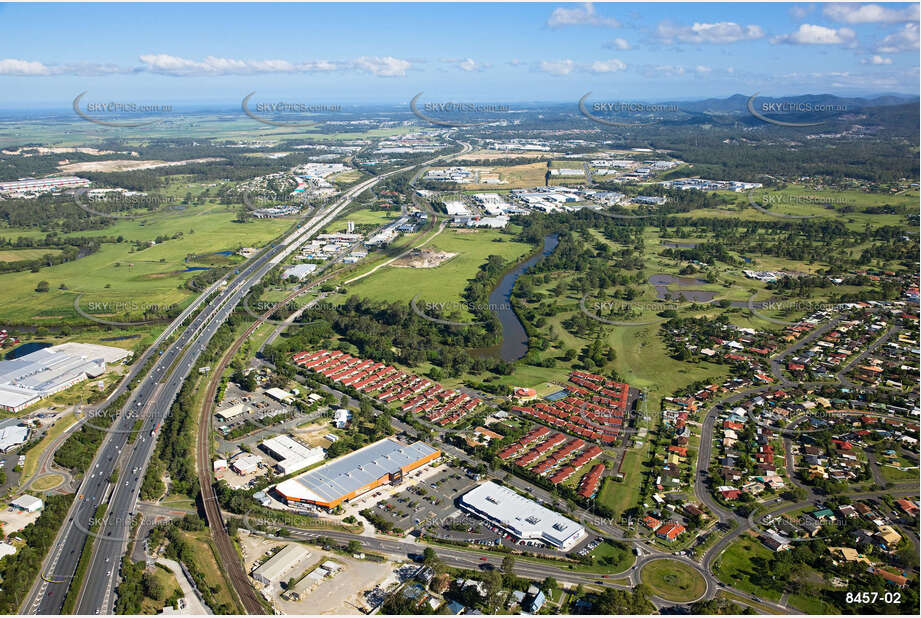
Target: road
x: 743, y: 524
x: 150, y: 401
x: 225, y: 547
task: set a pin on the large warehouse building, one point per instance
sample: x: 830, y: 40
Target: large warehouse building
x: 521, y: 517
x: 30, y: 378
x: 385, y: 461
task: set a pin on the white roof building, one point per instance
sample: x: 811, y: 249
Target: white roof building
x: 341, y: 418
x: 522, y: 517
x: 281, y: 564
x: 30, y: 378
x: 246, y: 463
x: 12, y: 436
x: 291, y: 454
x: 27, y: 503
x: 6, y: 549
x: 279, y: 395
x: 455, y: 207
x: 299, y: 271
x: 231, y: 412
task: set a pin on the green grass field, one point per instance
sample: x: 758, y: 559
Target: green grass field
x: 735, y: 567
x: 19, y: 255
x: 118, y: 282
x: 445, y: 282
x: 673, y: 580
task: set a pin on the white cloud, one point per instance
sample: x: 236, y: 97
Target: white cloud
x: 870, y: 13
x: 581, y: 16
x: 466, y: 64
x: 607, y: 66
x: 14, y: 66
x: 32, y: 68
x: 799, y: 12
x: 166, y: 64
x: 702, y: 69
x: 905, y: 39
x: 557, y: 67
x: 719, y: 32
x: 669, y: 69
x: 876, y: 60
x: 386, y: 66
x: 618, y: 43
x: 809, y: 34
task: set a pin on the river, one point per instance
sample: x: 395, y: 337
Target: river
x: 514, y: 338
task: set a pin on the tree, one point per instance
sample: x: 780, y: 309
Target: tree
x: 429, y: 556
x: 508, y: 565
x: 354, y: 546
x: 42, y: 286
x: 153, y: 587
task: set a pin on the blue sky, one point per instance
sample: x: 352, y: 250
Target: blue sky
x: 354, y: 53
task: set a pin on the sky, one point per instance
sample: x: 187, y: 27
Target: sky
x: 475, y: 52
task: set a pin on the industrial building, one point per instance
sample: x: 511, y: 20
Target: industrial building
x: 280, y: 566
x: 12, y: 436
x: 247, y: 463
x: 521, y: 517
x: 299, y: 271
x: 30, y: 378
x: 291, y: 454
x: 41, y: 185
x: 233, y: 411
x: 27, y: 503
x: 280, y: 395
x: 385, y: 461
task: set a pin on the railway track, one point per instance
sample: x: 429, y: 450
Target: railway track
x: 247, y: 595
x: 228, y: 553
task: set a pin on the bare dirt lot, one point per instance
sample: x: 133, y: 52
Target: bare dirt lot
x: 342, y: 593
x: 41, y: 150
x: 123, y: 165
x: 488, y: 155
x: 13, y: 520
x: 423, y: 258
x: 312, y: 435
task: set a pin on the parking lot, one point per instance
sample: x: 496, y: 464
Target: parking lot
x: 431, y: 500
x: 431, y: 505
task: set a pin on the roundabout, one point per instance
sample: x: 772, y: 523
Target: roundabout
x: 673, y: 580
x: 47, y: 482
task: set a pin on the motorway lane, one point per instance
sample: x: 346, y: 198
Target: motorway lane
x: 101, y: 579
x: 48, y: 593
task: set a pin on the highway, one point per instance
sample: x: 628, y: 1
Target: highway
x: 151, y: 402
x: 225, y: 547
